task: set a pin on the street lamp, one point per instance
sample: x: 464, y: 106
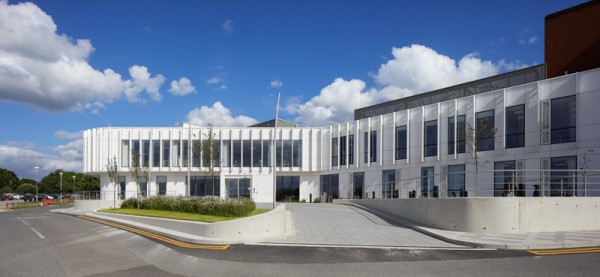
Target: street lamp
x: 37, y: 169
x: 61, y: 173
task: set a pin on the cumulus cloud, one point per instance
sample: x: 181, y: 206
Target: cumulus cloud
x: 22, y: 160
x: 413, y: 69
x: 219, y: 116
x: 214, y: 80
x: 276, y: 83
x: 50, y: 71
x: 227, y: 26
x: 141, y: 80
x: 67, y: 135
x: 182, y: 87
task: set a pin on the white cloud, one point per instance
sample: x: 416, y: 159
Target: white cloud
x: 21, y: 160
x: 420, y: 68
x: 219, y: 116
x: 223, y: 87
x: 276, y: 83
x: 214, y: 80
x: 182, y: 87
x: 67, y: 135
x: 414, y: 69
x: 227, y: 26
x: 50, y: 71
x: 530, y: 40
x: 141, y: 81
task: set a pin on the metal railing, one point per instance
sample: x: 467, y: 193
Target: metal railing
x: 489, y: 183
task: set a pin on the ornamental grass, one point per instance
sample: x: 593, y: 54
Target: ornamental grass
x: 206, y: 205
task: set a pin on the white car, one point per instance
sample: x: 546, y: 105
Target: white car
x: 15, y: 196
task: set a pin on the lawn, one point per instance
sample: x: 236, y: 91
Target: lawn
x: 178, y: 215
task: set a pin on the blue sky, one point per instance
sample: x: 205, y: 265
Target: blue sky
x: 67, y: 66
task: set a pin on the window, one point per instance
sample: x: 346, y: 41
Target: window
x: 237, y: 187
x: 185, y: 153
x: 562, y: 180
x: 359, y: 184
x: 297, y: 153
x: 266, y: 153
x: 278, y: 153
x: 485, y: 132
x: 288, y: 188
x: 135, y: 153
x: 431, y: 130
x: 287, y: 153
x: 334, y: 151
x: 247, y: 153
x: 125, y: 153
x: 427, y: 182
x: 373, y: 146
x: 237, y: 153
x: 205, y: 185
x: 456, y: 181
x: 366, y: 148
x: 388, y: 183
x: 196, y: 153
x: 351, y: 149
x: 504, y: 176
x: 122, y: 186
x: 256, y: 153
x: 343, y: 150
x: 162, y: 185
x: 155, y: 153
x: 330, y: 185
x: 145, y: 153
x: 563, y: 119
x: 226, y: 157
x: 166, y: 152
x: 460, y: 128
x: 176, y: 150
x: 515, y: 126
x: 401, y: 142
x: 143, y: 185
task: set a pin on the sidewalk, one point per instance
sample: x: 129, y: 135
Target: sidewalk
x: 336, y: 225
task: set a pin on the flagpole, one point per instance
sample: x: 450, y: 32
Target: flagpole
x: 275, y: 150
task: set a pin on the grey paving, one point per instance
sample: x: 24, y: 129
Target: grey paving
x: 346, y: 225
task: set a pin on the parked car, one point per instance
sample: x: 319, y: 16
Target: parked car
x: 15, y: 196
x: 7, y: 197
x: 31, y: 197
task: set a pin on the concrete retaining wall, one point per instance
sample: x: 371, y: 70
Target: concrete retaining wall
x: 493, y: 215
x: 269, y: 224
x: 90, y: 205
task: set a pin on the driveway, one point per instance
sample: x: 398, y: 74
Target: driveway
x: 345, y: 225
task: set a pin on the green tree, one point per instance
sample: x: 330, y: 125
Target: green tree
x: 138, y: 171
x: 9, y: 179
x: 113, y: 175
x: 51, y: 182
x: 25, y: 189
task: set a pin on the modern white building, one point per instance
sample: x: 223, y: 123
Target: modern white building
x: 538, y: 138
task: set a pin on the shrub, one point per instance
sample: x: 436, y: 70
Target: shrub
x: 207, y: 205
x: 317, y: 200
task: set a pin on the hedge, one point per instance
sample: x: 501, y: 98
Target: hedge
x: 207, y: 205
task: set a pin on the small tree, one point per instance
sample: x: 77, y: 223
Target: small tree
x: 475, y: 137
x: 209, y: 151
x: 113, y: 175
x: 583, y: 161
x: 137, y: 172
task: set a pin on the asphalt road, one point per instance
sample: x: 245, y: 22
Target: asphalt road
x: 34, y: 242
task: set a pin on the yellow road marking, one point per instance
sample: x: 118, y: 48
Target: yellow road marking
x: 566, y: 251
x: 158, y: 237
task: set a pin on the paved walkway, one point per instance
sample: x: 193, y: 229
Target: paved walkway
x: 346, y: 225
x: 353, y: 226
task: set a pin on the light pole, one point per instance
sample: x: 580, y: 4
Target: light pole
x: 37, y: 169
x: 61, y: 174
x: 73, y: 186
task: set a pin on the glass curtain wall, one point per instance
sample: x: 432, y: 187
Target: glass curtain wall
x: 515, y: 126
x: 155, y: 153
x: 256, y: 153
x: 388, y: 182
x: 456, y: 181
x: 401, y: 142
x: 334, y: 151
x: 359, y: 185
x: 146, y: 153
x: 485, y: 132
x: 563, y: 116
x: 461, y: 129
x: 330, y: 185
x: 428, y: 187
x: 122, y: 187
x: 288, y: 188
x: 343, y: 150
x: 297, y: 153
x: 237, y: 187
x: 162, y: 185
x: 351, y: 149
x: 430, y: 147
x: 246, y: 153
x: 504, y: 178
x: 125, y: 152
